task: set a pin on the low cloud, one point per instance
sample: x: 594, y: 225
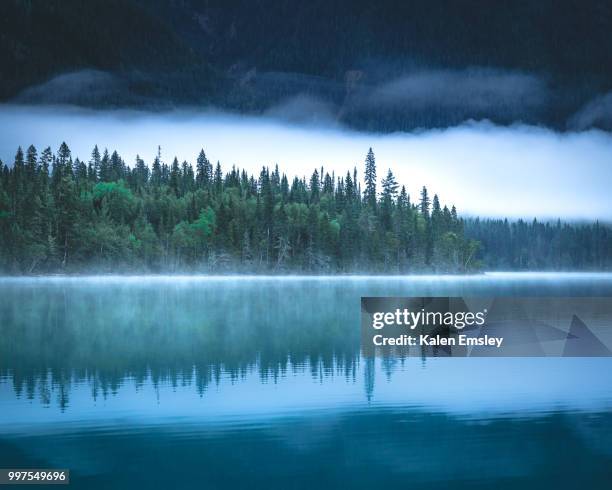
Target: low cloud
x: 439, y: 95
x: 79, y: 87
x: 596, y: 113
x: 484, y: 169
x: 471, y: 93
x: 304, y: 109
x: 419, y: 98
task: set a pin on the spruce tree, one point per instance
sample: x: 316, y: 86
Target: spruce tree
x: 389, y: 193
x: 218, y: 179
x: 105, y: 173
x: 175, y: 177
x: 425, y: 202
x: 203, y: 171
x: 156, y: 169
x: 94, y: 165
x: 314, y: 186
x: 370, y: 179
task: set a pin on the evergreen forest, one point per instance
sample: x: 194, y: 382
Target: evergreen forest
x: 65, y: 215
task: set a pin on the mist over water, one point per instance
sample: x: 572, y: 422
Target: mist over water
x: 265, y: 379
x: 486, y: 170
x: 227, y: 338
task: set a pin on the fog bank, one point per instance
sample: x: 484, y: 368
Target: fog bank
x: 483, y: 169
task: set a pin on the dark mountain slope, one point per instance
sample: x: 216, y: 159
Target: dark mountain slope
x: 378, y: 65
x: 143, y: 55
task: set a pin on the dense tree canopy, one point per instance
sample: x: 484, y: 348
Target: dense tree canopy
x: 537, y: 245
x: 59, y: 214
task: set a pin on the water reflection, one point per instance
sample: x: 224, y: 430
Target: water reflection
x: 228, y: 381
x: 58, y: 334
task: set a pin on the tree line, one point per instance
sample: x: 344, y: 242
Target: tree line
x: 59, y: 214
x: 541, y: 245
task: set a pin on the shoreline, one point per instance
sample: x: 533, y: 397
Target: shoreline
x: 493, y: 275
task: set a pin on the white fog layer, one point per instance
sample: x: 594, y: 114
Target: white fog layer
x: 483, y: 169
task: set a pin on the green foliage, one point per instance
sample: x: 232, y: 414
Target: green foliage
x: 57, y: 214
x: 190, y: 240
x: 116, y: 200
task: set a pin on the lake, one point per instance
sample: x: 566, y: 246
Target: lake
x: 259, y: 382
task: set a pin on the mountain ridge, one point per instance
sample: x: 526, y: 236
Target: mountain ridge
x: 368, y: 65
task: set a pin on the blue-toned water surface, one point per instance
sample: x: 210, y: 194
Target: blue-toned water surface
x: 259, y: 382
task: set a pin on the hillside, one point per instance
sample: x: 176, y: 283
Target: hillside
x: 381, y: 66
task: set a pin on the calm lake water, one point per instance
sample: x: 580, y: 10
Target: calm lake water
x: 192, y: 382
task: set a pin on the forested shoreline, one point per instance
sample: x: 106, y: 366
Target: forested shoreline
x: 65, y: 215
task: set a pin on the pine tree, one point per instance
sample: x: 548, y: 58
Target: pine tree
x: 436, y: 212
x: 80, y: 172
x: 30, y: 165
x: 105, y: 168
x: 63, y: 155
x: 141, y: 173
x: 187, y: 181
x: 284, y: 188
x: 203, y: 171
x: 18, y: 189
x: 424, y: 205
x: 370, y: 179
x: 349, y: 188
x: 116, y: 167
x: 389, y: 193
x: 156, y: 169
x: 315, y: 186
x: 66, y: 202
x: 389, y: 186
x: 218, y: 179
x: 175, y: 177
x: 93, y: 169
